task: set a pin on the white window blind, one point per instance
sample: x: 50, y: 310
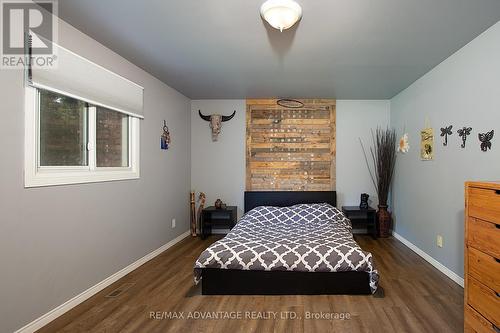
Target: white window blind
x: 80, y: 78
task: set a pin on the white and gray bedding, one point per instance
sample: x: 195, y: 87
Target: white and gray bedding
x: 305, y: 238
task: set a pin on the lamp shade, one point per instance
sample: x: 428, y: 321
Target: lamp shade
x: 281, y: 14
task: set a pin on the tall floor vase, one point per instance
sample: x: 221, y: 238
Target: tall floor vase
x: 384, y: 221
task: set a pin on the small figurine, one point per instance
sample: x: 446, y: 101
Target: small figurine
x: 364, y: 201
x: 218, y: 204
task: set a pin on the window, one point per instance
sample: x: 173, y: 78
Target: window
x: 111, y: 138
x: 70, y: 141
x: 63, y: 130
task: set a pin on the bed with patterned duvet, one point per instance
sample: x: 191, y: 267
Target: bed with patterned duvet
x: 302, y: 238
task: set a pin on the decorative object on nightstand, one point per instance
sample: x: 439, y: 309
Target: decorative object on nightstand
x: 364, y: 201
x: 212, y: 217
x: 362, y: 218
x: 218, y: 204
x: 383, y: 155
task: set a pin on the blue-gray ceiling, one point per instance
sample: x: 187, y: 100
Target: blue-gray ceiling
x: 345, y: 49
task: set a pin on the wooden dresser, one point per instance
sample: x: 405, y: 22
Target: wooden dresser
x: 482, y: 257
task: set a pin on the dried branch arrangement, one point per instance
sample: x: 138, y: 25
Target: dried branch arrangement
x: 383, y: 158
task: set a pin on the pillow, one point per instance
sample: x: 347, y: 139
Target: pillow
x: 301, y: 213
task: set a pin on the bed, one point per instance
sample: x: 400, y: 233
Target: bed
x: 287, y: 243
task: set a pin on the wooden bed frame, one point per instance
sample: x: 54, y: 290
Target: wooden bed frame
x: 240, y: 282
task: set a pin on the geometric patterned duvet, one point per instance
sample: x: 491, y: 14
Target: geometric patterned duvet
x: 305, y: 238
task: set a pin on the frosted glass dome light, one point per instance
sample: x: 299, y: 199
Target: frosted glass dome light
x: 281, y: 14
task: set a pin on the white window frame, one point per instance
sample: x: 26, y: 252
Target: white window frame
x: 37, y: 176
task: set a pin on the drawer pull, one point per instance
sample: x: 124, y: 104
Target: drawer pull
x: 497, y: 293
x: 495, y: 327
x: 497, y: 192
x: 497, y: 260
x: 497, y: 226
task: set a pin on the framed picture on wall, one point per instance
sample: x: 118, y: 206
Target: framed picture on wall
x: 427, y: 144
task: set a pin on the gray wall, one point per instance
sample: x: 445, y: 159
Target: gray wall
x: 218, y: 168
x: 355, y: 120
x: 428, y: 197
x: 56, y: 242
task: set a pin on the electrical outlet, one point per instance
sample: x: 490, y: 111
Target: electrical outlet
x: 439, y: 241
x: 173, y: 223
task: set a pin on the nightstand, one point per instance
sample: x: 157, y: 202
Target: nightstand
x: 213, y: 218
x: 362, y: 218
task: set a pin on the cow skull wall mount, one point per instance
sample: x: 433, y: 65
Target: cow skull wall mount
x: 216, y: 121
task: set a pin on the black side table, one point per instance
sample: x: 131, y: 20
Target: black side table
x: 362, y: 218
x: 219, y: 218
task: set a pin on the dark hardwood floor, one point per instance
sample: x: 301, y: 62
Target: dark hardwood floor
x: 417, y: 298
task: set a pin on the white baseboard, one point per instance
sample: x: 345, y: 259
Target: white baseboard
x: 65, y: 307
x: 442, y: 268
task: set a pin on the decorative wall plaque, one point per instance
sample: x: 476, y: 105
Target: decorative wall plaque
x: 290, y: 149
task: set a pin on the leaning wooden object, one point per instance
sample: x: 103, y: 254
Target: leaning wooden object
x: 201, y: 199
x: 193, y: 214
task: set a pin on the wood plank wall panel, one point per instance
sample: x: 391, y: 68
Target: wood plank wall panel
x: 290, y: 149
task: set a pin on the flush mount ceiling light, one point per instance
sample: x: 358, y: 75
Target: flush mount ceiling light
x: 281, y: 14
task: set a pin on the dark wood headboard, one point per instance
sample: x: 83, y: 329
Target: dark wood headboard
x: 287, y: 198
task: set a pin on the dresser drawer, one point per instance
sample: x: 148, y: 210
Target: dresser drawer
x: 474, y: 322
x: 484, y: 268
x: 484, y: 236
x: 484, y: 204
x: 484, y: 300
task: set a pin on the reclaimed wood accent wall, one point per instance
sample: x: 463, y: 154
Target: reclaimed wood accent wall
x: 290, y: 149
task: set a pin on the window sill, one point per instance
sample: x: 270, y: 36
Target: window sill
x: 42, y: 178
